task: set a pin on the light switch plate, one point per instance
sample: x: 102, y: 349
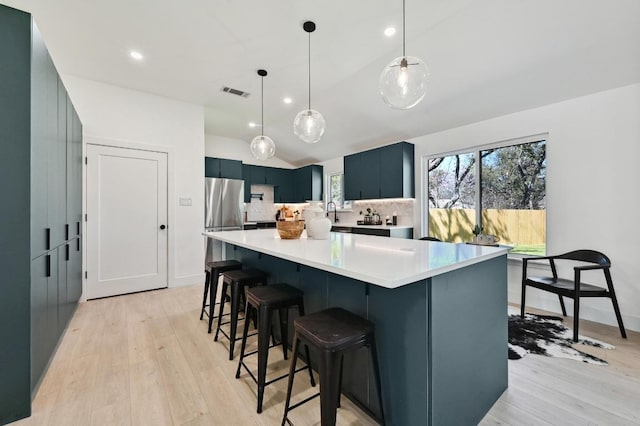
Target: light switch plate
x: 185, y: 201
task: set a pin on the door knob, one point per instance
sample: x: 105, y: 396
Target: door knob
x: 162, y: 226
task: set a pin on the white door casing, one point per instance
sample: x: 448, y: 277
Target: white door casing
x: 126, y: 209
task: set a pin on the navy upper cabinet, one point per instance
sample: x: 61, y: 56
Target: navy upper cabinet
x: 362, y: 175
x: 246, y: 176
x: 385, y: 172
x: 397, y: 171
x: 282, y: 181
x: 352, y: 177
x: 43, y: 109
x: 252, y: 175
x: 222, y: 168
x: 307, y: 183
x: 289, y: 185
x: 371, y: 167
x: 258, y: 175
x: 74, y: 172
x: 211, y: 167
x: 230, y: 169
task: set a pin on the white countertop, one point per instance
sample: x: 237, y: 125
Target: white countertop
x: 383, y: 261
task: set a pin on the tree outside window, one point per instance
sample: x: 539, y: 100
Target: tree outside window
x: 336, y: 191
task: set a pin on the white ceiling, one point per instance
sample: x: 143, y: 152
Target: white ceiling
x: 487, y: 58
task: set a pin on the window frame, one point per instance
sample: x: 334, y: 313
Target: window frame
x: 345, y: 205
x: 477, y: 170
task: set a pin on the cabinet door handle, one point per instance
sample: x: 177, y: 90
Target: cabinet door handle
x: 66, y: 231
x: 48, y: 267
x: 78, y: 244
x: 47, y: 233
x: 77, y: 228
x: 66, y: 255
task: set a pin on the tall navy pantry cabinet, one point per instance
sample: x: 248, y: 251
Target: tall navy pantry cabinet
x: 41, y: 213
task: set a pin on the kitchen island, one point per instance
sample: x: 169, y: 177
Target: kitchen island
x: 440, y: 312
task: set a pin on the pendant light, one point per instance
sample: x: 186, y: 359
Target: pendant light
x: 403, y: 83
x: 309, y: 124
x: 262, y: 147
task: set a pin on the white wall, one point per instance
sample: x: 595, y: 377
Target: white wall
x: 335, y: 165
x: 593, y: 150
x: 236, y: 149
x: 123, y: 117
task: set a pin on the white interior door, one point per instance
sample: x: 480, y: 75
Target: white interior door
x: 126, y: 220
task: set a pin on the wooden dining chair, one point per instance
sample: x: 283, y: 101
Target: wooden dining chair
x: 573, y: 289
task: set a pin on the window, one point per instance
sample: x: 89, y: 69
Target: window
x: 504, y: 193
x: 335, y: 192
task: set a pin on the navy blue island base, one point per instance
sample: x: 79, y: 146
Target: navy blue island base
x: 442, y: 340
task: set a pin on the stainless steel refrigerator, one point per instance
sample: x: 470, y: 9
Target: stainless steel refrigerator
x: 223, y: 211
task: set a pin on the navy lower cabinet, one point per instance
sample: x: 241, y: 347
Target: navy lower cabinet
x: 42, y: 160
x: 40, y: 274
x: 385, y: 232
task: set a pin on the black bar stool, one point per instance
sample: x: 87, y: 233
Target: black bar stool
x: 212, y: 274
x: 266, y: 300
x: 333, y: 332
x: 236, y: 280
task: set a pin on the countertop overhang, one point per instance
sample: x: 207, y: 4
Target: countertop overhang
x: 383, y: 261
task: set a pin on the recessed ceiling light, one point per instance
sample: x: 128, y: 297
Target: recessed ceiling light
x: 136, y: 55
x: 252, y: 124
x: 390, y: 32
x: 287, y: 100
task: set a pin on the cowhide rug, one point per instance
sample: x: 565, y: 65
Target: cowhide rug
x: 546, y: 335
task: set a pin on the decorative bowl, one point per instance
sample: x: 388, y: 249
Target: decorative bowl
x: 290, y: 229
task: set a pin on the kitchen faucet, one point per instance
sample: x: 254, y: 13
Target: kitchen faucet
x: 335, y: 211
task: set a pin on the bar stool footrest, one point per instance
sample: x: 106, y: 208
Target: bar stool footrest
x: 237, y: 338
x: 304, y: 401
x: 284, y: 376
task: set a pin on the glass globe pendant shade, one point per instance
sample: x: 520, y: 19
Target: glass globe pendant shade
x: 309, y: 126
x: 263, y: 147
x: 403, y: 83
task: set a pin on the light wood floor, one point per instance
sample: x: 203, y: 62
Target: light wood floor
x: 146, y: 359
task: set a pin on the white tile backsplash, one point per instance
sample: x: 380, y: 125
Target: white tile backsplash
x: 265, y: 209
x: 261, y: 209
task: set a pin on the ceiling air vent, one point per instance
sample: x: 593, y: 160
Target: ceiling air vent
x: 235, y: 92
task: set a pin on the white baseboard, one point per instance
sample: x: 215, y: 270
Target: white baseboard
x: 187, y: 280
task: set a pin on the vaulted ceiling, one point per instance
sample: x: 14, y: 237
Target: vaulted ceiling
x: 486, y: 57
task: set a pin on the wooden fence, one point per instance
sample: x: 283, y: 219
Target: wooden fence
x: 524, y: 227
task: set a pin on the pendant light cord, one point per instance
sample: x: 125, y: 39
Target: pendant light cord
x: 309, y: 71
x: 403, y: 34
x: 262, y: 106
